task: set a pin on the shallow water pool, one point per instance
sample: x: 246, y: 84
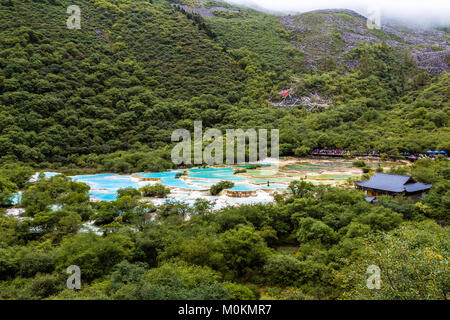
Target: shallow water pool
x: 104, y: 186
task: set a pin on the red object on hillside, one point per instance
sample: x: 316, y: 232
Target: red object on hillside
x: 285, y: 93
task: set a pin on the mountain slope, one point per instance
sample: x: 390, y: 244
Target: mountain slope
x: 318, y: 35
x: 124, y: 79
x: 261, y: 34
x: 170, y: 47
x: 110, y: 95
x: 324, y: 33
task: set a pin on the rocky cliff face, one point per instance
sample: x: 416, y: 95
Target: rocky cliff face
x: 332, y: 33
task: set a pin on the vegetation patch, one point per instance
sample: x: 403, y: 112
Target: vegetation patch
x: 219, y: 187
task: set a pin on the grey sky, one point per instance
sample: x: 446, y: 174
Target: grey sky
x: 414, y: 11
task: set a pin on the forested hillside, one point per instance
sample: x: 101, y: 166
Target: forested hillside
x: 107, y: 98
x: 314, y: 242
x: 133, y: 70
x: 139, y: 69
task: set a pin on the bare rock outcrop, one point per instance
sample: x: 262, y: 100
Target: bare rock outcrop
x: 333, y: 33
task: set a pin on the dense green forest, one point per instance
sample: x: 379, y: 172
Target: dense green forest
x: 137, y: 70
x: 314, y: 242
x: 107, y: 97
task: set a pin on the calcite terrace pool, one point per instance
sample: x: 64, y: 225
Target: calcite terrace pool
x: 263, y: 181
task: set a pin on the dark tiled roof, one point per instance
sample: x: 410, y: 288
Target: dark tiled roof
x: 414, y: 187
x: 393, y: 183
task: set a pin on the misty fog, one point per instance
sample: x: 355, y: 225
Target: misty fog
x: 430, y: 12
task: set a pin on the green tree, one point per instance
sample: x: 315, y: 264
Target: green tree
x: 176, y: 281
x: 312, y: 229
x: 413, y: 262
x: 219, y: 187
x: 7, y: 189
x: 244, y: 250
x: 156, y: 191
x: 95, y: 255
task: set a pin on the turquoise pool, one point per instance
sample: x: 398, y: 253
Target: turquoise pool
x: 105, y: 186
x: 221, y: 174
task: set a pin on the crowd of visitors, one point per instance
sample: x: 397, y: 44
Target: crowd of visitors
x: 372, y: 153
x: 339, y: 152
x: 417, y: 156
x: 326, y: 152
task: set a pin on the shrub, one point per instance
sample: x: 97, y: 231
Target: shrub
x: 219, y: 187
x: 156, y: 191
x: 302, y: 151
x: 283, y: 270
x: 366, y: 169
x: 131, y: 192
x: 359, y: 163
x: 239, y: 291
x: 7, y: 189
x: 181, y: 174
x: 312, y: 229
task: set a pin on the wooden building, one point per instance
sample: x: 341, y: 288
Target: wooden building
x: 392, y: 185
